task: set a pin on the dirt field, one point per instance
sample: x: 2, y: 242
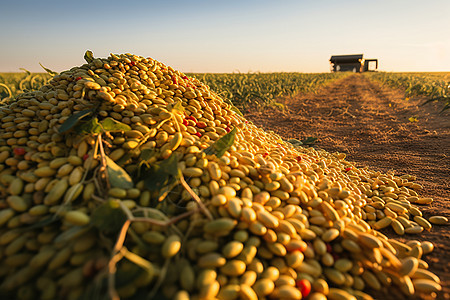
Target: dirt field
x: 370, y: 123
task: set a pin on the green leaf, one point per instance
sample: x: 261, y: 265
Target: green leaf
x: 109, y: 124
x: 144, y: 158
x: 7, y: 89
x: 118, y: 177
x: 171, y: 166
x: 52, y: 73
x: 74, y: 119
x: 161, y: 174
x: 43, y: 223
x: 89, y: 56
x: 178, y: 107
x: 109, y: 217
x: 147, y: 153
x: 309, y: 140
x: 219, y: 147
x: 295, y: 142
x: 90, y: 126
x: 26, y: 71
x: 234, y: 108
x: 71, y: 233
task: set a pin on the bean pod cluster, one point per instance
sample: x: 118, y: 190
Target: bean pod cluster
x: 264, y: 219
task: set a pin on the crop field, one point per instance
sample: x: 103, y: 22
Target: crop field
x: 435, y: 85
x: 263, y: 89
x: 11, y: 84
x: 127, y: 179
x: 258, y: 90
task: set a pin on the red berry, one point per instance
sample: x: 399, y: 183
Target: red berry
x: 304, y: 286
x: 174, y: 79
x: 86, y: 156
x: 185, y: 122
x: 265, y: 154
x: 298, y: 158
x: 192, y: 118
x: 78, y: 78
x: 348, y: 169
x: 132, y: 63
x: 19, y: 151
x: 227, y: 129
x: 198, y: 134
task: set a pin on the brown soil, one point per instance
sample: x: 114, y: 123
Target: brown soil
x: 370, y: 123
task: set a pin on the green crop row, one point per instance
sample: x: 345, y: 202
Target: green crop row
x: 435, y: 86
x: 12, y: 84
x: 257, y: 90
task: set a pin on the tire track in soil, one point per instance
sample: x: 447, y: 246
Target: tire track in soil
x: 369, y: 122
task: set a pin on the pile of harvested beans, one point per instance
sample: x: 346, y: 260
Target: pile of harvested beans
x: 123, y: 178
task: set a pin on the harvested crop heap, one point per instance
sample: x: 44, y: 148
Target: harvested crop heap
x: 125, y: 178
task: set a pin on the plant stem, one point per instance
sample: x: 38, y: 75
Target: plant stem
x: 196, y: 198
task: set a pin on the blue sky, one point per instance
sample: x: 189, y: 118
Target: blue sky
x: 227, y: 36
